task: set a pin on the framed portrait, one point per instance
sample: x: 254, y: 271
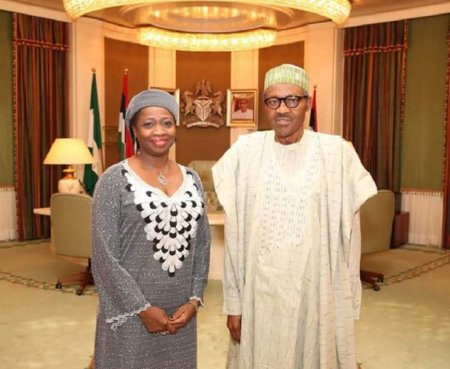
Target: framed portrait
x: 175, y: 92
x: 242, y: 109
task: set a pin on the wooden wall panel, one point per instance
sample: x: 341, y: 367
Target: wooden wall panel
x: 198, y: 143
x: 270, y: 57
x: 120, y: 55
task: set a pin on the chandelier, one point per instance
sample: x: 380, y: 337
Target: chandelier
x: 223, y: 25
x: 206, y: 41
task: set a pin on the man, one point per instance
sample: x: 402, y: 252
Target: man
x: 291, y: 198
x: 243, y: 112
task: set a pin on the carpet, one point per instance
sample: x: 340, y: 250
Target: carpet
x: 397, y: 265
x: 47, y: 267
x: 405, y: 325
x: 406, y: 262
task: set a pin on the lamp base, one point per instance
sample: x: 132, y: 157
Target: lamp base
x: 69, y: 185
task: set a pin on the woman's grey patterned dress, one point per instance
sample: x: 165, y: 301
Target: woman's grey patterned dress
x: 147, y: 249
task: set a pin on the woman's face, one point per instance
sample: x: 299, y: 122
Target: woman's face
x: 155, y: 130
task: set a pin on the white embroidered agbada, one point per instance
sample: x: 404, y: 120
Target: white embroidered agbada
x: 292, y: 249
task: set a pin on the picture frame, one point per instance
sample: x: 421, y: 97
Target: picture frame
x: 242, y: 108
x: 176, y: 93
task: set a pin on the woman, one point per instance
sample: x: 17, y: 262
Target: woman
x: 151, y: 242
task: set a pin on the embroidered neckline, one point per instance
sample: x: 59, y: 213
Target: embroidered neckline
x: 171, y: 222
x: 143, y: 183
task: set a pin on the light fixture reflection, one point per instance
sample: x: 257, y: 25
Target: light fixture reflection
x: 156, y: 37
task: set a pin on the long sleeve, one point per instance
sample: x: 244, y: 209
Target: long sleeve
x: 358, y: 188
x: 119, y: 293
x: 354, y: 259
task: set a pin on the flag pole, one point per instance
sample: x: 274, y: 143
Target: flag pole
x: 102, y: 160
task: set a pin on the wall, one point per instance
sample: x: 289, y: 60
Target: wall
x: 202, y: 143
x: 424, y: 125
x: 269, y: 57
x: 121, y: 55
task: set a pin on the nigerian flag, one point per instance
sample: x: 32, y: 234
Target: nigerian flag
x: 94, y: 142
x: 124, y: 142
x: 313, y: 113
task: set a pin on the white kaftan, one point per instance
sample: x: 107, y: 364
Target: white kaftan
x: 292, y: 249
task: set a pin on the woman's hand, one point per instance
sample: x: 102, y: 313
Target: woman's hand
x: 156, y: 320
x: 184, y: 314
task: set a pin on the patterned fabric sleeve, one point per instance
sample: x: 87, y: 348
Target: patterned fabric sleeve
x: 120, y: 296
x: 358, y: 187
x: 354, y: 258
x: 202, y: 251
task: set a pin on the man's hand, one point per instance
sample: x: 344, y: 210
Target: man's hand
x: 156, y: 320
x: 234, y: 326
x: 183, y: 315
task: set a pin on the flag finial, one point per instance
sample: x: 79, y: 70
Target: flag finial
x: 125, y: 70
x: 93, y: 69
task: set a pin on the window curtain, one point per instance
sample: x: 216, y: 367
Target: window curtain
x: 446, y: 206
x: 374, y: 91
x: 7, y: 193
x: 40, y: 114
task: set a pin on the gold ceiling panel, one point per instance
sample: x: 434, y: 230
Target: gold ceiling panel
x: 213, y: 18
x: 210, y: 25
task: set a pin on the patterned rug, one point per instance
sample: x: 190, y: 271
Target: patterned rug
x: 29, y: 282
x: 36, y: 265
x: 407, y: 262
x: 397, y: 265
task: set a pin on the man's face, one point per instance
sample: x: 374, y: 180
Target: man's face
x: 243, y: 105
x: 287, y: 122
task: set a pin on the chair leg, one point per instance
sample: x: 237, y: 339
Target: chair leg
x: 84, y: 279
x: 373, y: 278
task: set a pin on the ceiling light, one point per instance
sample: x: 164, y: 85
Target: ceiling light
x: 156, y: 37
x: 336, y: 10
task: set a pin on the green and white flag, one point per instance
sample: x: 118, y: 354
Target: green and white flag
x: 93, y: 171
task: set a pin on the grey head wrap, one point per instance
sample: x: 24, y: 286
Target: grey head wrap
x: 151, y: 97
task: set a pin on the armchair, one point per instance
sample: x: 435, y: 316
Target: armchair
x: 377, y: 217
x: 71, y: 233
x: 203, y: 168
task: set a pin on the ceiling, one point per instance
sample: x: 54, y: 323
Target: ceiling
x: 222, y: 16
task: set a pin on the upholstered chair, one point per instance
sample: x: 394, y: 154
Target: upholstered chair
x: 377, y: 217
x: 71, y: 234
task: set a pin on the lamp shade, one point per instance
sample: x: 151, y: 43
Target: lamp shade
x: 68, y: 151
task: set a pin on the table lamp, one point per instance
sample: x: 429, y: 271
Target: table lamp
x: 68, y: 151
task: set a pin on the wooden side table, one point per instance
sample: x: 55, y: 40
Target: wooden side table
x: 45, y: 212
x: 42, y: 211
x: 400, y: 229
